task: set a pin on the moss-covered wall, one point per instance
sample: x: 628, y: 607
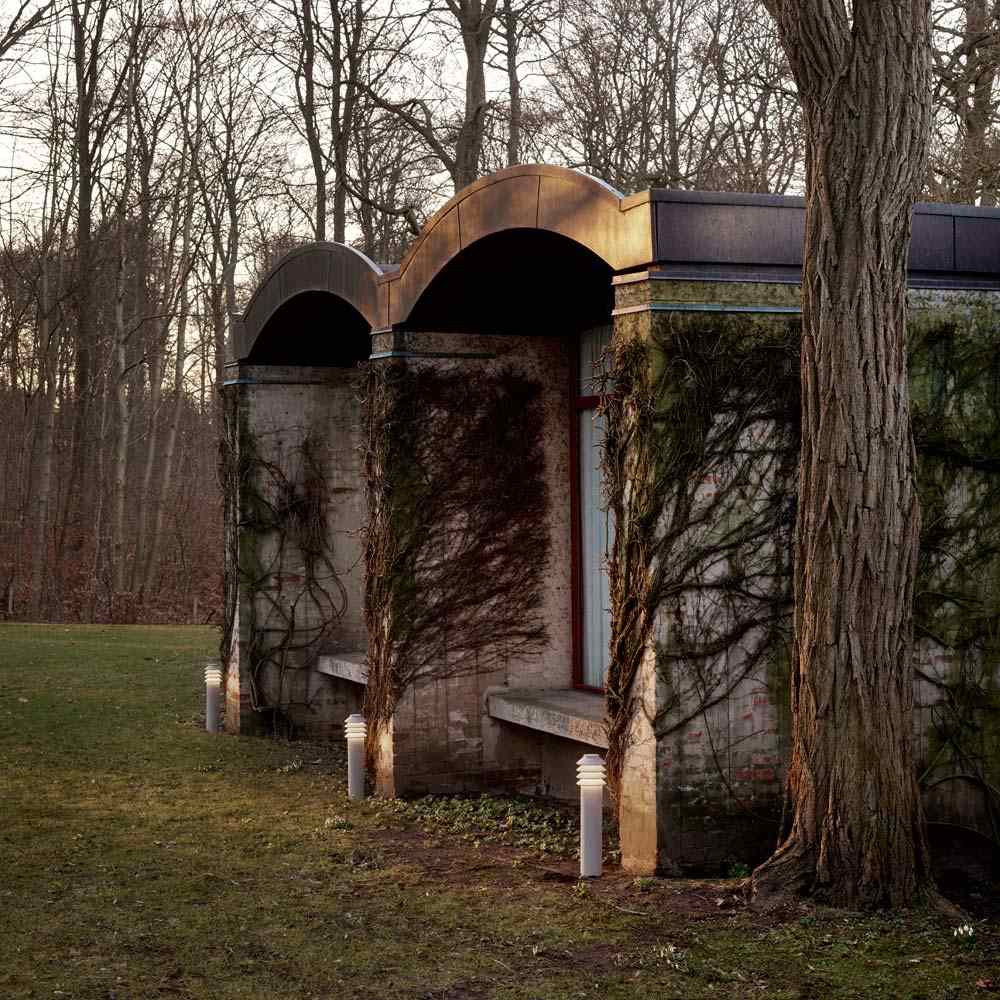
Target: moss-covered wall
x: 955, y: 386
x: 701, y: 471
x: 700, y: 467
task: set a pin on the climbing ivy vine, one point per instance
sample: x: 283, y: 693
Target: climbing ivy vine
x: 290, y: 591
x: 699, y: 465
x: 457, y: 539
x: 700, y: 470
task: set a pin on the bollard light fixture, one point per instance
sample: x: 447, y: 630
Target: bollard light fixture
x: 590, y: 777
x: 213, y: 689
x: 356, y: 731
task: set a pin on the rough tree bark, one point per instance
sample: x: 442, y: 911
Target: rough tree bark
x: 48, y: 339
x: 122, y: 377
x: 856, y: 836
x: 85, y: 65
x: 180, y: 364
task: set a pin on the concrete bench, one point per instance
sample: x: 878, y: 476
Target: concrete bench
x: 347, y: 666
x: 571, y: 714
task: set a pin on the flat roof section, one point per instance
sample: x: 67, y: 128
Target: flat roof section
x: 746, y: 237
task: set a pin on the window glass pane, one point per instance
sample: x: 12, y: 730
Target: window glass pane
x: 595, y: 540
x: 592, y: 344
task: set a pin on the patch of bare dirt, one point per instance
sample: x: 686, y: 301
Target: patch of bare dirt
x: 474, y: 989
x: 435, y: 858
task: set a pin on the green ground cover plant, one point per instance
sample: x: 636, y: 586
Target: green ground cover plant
x: 514, y: 822
x: 143, y: 858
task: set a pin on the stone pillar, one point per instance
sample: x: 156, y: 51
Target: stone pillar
x: 640, y: 826
x: 238, y: 716
x: 676, y: 802
x: 277, y: 407
x: 383, y: 765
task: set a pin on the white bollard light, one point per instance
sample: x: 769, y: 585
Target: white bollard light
x: 590, y: 778
x: 355, y: 730
x: 213, y: 689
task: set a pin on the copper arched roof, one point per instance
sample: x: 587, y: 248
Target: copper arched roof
x: 554, y: 199
x: 691, y: 235
x: 322, y: 267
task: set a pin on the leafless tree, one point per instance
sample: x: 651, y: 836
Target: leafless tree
x: 673, y: 93
x: 965, y: 160
x: 166, y: 150
x: 453, y: 131
x: 856, y: 837
x: 28, y: 18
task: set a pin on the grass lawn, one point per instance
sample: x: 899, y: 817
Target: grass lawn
x: 142, y: 858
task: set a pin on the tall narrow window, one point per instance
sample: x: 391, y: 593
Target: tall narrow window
x: 594, y: 523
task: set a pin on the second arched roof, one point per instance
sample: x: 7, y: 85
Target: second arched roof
x: 553, y: 199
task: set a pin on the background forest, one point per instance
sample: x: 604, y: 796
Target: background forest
x: 159, y: 156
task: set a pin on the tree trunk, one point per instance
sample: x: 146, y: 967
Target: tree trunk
x: 857, y: 835
x: 341, y: 114
x: 166, y: 477
x: 42, y: 498
x: 123, y: 397
x: 476, y: 22
x: 975, y: 99
x: 155, y: 335
x: 99, y: 576
x: 510, y: 27
x: 305, y: 89
x: 184, y: 210
x: 123, y: 429
x: 48, y: 339
x: 83, y: 63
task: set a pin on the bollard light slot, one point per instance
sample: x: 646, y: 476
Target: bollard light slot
x: 590, y: 772
x: 355, y: 727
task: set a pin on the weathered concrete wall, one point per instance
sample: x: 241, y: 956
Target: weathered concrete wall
x: 704, y: 769
x: 443, y: 739
x: 294, y: 422
x: 701, y: 785
x: 548, y: 763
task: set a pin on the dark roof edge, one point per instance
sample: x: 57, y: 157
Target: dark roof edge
x: 797, y: 202
x: 777, y: 275
x: 726, y: 198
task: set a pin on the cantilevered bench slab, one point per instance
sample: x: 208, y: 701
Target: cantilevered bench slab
x: 346, y: 666
x: 573, y: 715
